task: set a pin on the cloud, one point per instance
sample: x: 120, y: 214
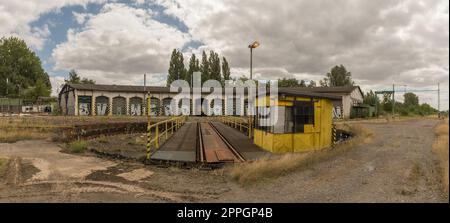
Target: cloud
x: 375, y: 40
x: 120, y: 44
x: 380, y: 42
x: 16, y: 16
x: 56, y: 82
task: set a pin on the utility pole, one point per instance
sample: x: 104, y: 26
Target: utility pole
x: 251, y: 62
x: 145, y: 82
x: 252, y: 46
x: 7, y: 83
x: 145, y: 91
x: 393, y: 100
x: 439, y: 102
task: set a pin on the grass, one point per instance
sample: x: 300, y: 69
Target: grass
x: 3, y: 165
x: 266, y: 169
x: 440, y: 148
x: 78, y: 146
x: 14, y: 135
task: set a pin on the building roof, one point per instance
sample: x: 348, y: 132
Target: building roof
x: 340, y: 89
x: 303, y: 92
x: 320, y: 92
x: 119, y: 88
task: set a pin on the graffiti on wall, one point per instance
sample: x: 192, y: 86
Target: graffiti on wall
x: 337, y: 112
x: 135, y: 109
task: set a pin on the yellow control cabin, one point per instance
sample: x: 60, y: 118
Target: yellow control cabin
x: 304, y: 122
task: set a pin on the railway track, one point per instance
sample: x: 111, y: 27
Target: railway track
x: 214, y: 148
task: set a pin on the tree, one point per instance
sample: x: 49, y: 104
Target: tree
x: 426, y: 109
x: 339, y: 76
x: 214, y: 66
x: 87, y: 81
x: 194, y: 66
x: 311, y: 84
x: 410, y: 99
x: 288, y: 82
x: 20, y: 68
x: 177, y: 71
x: 204, y: 68
x: 387, y: 102
x: 243, y: 78
x: 370, y: 98
x: 36, y: 91
x: 74, y: 78
x: 226, y: 74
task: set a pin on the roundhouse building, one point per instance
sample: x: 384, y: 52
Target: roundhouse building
x: 104, y: 100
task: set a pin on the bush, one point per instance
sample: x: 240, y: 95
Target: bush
x: 3, y: 165
x: 78, y: 146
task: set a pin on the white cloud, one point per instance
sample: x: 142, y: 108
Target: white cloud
x: 120, y: 44
x: 16, y: 16
x: 378, y: 41
x: 57, y: 82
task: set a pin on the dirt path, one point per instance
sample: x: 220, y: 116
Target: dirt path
x: 38, y: 172
x: 397, y: 166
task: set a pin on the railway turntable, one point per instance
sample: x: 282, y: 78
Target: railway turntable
x: 181, y: 147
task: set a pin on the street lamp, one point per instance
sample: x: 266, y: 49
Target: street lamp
x: 252, y: 46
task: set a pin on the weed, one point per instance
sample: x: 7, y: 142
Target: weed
x: 78, y: 146
x: 440, y: 148
x: 3, y: 165
x: 270, y: 168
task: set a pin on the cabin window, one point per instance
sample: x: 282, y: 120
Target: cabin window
x: 289, y: 120
x: 263, y: 119
x: 303, y: 114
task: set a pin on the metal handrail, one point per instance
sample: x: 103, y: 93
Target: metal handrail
x: 239, y: 123
x: 175, y: 124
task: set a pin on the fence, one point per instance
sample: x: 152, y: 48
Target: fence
x: 162, y: 129
x: 11, y: 105
x: 242, y: 124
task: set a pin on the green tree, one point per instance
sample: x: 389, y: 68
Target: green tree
x: 204, y: 68
x: 338, y: 76
x: 194, y: 66
x: 226, y: 74
x: 36, y: 91
x: 74, y: 78
x: 214, y: 66
x: 20, y: 68
x: 87, y: 81
x: 176, y: 71
x: 370, y: 98
x: 243, y: 78
x: 311, y: 84
x: 387, y: 103
x: 290, y: 82
x: 410, y: 99
x: 426, y: 109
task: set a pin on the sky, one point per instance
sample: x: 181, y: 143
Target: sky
x: 383, y: 42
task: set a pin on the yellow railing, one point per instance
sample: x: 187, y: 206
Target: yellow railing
x: 240, y: 123
x: 166, y: 128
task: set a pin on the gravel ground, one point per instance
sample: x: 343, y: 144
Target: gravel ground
x: 396, y: 166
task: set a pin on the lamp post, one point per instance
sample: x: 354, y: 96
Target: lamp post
x: 252, y: 46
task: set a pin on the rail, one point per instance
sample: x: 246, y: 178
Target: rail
x: 161, y: 129
x: 244, y: 125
